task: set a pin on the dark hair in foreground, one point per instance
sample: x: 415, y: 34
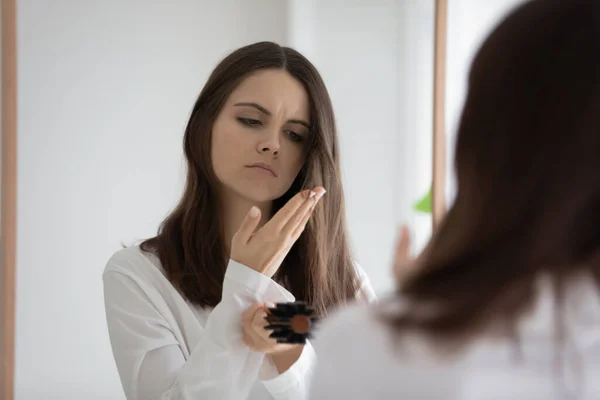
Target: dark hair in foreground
x: 528, y: 170
x: 319, y: 268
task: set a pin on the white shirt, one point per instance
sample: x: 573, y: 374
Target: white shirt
x: 358, y: 360
x: 167, y: 348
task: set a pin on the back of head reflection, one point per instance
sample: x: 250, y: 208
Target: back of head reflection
x: 504, y: 301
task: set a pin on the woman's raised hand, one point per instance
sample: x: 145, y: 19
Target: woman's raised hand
x: 264, y: 250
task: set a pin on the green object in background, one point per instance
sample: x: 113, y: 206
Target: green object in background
x: 424, y: 205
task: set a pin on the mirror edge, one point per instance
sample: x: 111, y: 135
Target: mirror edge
x: 8, y: 212
x: 439, y: 125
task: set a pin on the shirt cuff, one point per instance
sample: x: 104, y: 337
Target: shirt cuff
x: 241, y: 275
x: 297, y: 374
x: 254, y: 282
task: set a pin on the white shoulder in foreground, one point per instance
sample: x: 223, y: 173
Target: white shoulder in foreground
x: 360, y: 356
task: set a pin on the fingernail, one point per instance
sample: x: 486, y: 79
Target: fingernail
x: 254, y: 212
x: 321, y: 193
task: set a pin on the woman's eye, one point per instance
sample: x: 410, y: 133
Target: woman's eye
x: 250, y: 122
x: 295, y: 137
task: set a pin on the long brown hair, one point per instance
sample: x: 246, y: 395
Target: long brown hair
x: 319, y: 268
x: 528, y: 170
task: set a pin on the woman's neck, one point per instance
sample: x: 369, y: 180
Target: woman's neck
x: 234, y: 209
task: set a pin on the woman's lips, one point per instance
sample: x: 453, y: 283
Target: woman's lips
x: 264, y: 167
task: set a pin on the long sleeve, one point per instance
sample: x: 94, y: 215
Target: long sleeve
x: 219, y: 367
x: 293, y: 383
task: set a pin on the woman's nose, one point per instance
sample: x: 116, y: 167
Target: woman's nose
x: 270, y: 143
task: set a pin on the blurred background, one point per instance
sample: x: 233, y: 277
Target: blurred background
x: 104, y: 93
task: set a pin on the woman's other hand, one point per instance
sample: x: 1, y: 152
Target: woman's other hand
x: 256, y: 336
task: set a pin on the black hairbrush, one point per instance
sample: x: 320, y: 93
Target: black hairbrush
x: 291, y: 323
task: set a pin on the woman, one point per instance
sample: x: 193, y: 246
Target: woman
x: 186, y: 308
x: 504, y: 303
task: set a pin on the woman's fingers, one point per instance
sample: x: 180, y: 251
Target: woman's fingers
x: 253, y: 333
x: 296, y: 224
x: 288, y: 210
x: 256, y: 336
x: 248, y: 315
x: 249, y: 335
x: 248, y: 340
x: 259, y: 323
x: 302, y: 225
x: 248, y: 226
x: 279, y: 220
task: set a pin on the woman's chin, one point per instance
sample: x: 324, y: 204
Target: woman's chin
x: 258, y: 196
x: 253, y: 193
x: 255, y: 199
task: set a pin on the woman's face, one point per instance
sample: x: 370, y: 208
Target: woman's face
x: 259, y: 137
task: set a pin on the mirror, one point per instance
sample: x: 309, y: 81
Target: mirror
x: 105, y: 92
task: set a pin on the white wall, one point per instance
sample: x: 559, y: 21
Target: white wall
x: 469, y: 23
x: 104, y: 94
